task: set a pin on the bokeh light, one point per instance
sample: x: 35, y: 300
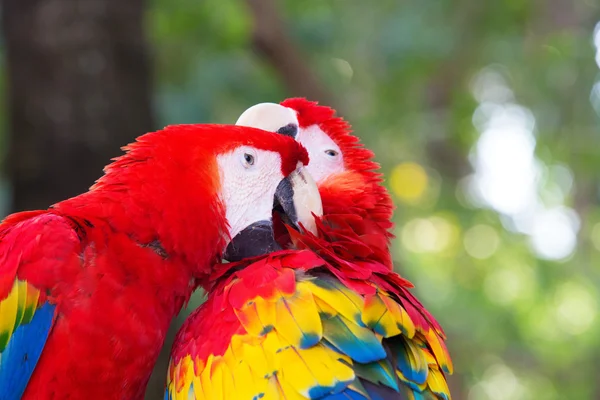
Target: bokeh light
x: 481, y: 241
x: 408, y: 182
x: 595, y: 94
x: 510, y: 283
x: 553, y: 234
x: 499, y: 383
x: 576, y: 308
x: 508, y: 175
x: 343, y: 67
x: 428, y: 235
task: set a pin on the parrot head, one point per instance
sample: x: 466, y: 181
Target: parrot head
x: 203, y: 191
x: 342, y: 167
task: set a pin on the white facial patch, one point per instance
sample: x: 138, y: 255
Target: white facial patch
x: 325, y: 156
x: 268, y: 117
x: 249, y: 178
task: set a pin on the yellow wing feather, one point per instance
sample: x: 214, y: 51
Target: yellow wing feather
x: 284, y: 353
x: 16, y: 309
x: 8, y: 311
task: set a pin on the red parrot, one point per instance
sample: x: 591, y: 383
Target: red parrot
x: 343, y: 168
x: 89, y: 286
x: 326, y: 318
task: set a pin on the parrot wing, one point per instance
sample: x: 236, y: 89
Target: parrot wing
x: 35, y: 248
x: 278, y: 330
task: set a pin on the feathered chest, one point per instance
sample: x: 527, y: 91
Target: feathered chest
x: 287, y: 327
x: 112, y: 314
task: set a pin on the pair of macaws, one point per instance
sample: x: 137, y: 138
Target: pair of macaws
x: 309, y: 307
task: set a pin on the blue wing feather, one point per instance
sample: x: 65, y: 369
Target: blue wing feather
x: 25, y: 346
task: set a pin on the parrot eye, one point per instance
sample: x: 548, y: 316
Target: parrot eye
x: 248, y: 160
x: 331, y: 153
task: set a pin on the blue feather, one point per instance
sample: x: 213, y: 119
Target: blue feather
x: 357, y: 342
x: 19, y: 358
x: 380, y: 372
x: 415, y: 371
x: 347, y: 394
x: 380, y: 392
x: 319, y: 392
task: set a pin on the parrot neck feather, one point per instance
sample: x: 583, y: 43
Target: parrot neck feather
x: 341, y: 193
x: 170, y: 203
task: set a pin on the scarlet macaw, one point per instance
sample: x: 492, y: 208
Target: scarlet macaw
x: 328, y: 319
x: 89, y: 286
x: 347, y: 176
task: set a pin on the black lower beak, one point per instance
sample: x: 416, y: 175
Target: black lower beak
x: 255, y: 240
x: 259, y: 238
x: 296, y: 199
x: 284, y: 202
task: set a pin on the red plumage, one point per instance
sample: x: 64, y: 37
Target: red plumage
x: 119, y: 261
x: 356, y: 195
x: 245, y: 306
x: 209, y: 333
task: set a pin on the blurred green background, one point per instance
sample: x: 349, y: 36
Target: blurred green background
x: 485, y: 117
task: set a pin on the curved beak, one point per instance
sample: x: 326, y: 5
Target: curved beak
x: 299, y: 198
x: 296, y: 199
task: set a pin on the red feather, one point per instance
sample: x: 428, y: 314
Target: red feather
x: 358, y: 191
x: 120, y: 261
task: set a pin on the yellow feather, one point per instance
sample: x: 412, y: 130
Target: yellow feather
x: 376, y: 315
x: 216, y: 380
x: 400, y: 375
x: 198, y: 390
x: 22, y: 288
x: 229, y: 360
x: 177, y: 382
x: 184, y: 375
x: 339, y: 298
x: 286, y: 391
x: 441, y: 355
x: 246, y: 384
x: 430, y: 359
x: 266, y: 312
x: 325, y: 308
x: 248, y: 317
x: 400, y: 315
x: 339, y: 364
x: 228, y: 388
x: 8, y: 311
x: 272, y: 345
x: 298, y: 319
x: 208, y: 381
x: 320, y: 362
x: 295, y: 372
x: 437, y: 383
x: 272, y: 389
x: 260, y: 366
x: 269, y: 363
x: 236, y: 346
x: 33, y: 296
x: 343, y: 357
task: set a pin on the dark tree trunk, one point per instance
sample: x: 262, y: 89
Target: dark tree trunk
x: 78, y: 89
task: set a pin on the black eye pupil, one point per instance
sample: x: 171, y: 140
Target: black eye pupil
x: 249, y: 159
x: 331, y: 153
